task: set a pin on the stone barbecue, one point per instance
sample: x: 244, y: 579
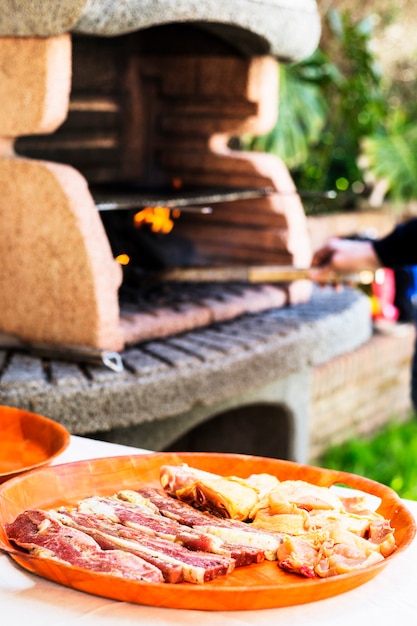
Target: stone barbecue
x: 102, y: 100
x: 118, y: 113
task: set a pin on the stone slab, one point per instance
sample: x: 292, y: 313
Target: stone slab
x: 288, y: 29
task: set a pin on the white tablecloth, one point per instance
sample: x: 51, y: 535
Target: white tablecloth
x: 27, y: 599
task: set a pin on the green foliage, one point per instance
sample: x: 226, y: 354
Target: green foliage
x: 295, y: 131
x: 391, y: 155
x: 340, y: 125
x: 358, y: 102
x: 390, y: 457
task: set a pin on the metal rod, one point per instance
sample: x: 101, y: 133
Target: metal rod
x: 185, y: 200
x: 119, y: 205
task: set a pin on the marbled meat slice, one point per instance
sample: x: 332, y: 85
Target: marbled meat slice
x: 233, y: 532
x: 196, y: 567
x: 41, y: 534
x: 104, y: 534
x: 128, y: 509
x: 142, y: 518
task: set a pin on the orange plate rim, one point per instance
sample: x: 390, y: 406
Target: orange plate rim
x: 58, y: 429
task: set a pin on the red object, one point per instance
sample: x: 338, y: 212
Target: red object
x: 383, y: 295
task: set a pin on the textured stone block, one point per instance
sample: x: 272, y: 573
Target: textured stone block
x: 40, y: 18
x: 35, y: 83
x: 58, y: 279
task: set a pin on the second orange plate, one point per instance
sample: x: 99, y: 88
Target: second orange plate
x: 257, y: 586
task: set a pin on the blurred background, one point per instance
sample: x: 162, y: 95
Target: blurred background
x: 352, y: 146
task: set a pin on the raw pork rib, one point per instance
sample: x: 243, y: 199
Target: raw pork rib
x: 176, y: 563
x: 128, y: 508
x: 232, y: 532
x: 42, y: 535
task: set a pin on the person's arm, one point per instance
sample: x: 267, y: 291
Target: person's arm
x: 397, y: 249
x: 343, y: 256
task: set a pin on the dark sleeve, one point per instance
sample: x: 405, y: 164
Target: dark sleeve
x: 399, y: 248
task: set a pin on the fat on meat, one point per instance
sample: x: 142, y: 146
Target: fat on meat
x: 41, y: 534
x: 196, y: 567
x: 233, y: 532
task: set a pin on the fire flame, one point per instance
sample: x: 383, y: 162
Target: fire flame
x: 123, y: 259
x: 158, y: 218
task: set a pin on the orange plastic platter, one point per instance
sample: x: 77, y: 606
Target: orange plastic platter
x: 28, y: 441
x: 253, y: 587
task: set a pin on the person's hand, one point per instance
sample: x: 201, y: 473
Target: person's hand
x: 343, y: 256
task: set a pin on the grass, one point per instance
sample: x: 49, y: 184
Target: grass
x: 390, y: 457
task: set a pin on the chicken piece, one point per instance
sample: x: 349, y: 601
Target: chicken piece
x: 327, y: 556
x: 290, y: 495
x: 381, y: 533
x: 298, y: 556
x: 285, y: 523
x: 262, y: 483
x: 364, y: 505
x: 329, y: 519
x: 343, y: 558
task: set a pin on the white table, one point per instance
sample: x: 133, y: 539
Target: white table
x: 33, y: 601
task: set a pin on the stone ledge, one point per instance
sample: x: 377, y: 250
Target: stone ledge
x: 250, y: 358
x: 288, y: 29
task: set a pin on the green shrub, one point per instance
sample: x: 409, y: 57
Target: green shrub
x: 327, y: 105
x: 342, y: 125
x: 390, y: 457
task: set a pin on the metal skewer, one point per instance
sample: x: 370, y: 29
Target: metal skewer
x: 250, y: 274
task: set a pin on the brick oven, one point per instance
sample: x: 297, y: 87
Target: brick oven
x: 134, y: 113
x: 117, y: 117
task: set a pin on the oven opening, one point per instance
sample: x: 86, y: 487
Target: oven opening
x: 142, y: 223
